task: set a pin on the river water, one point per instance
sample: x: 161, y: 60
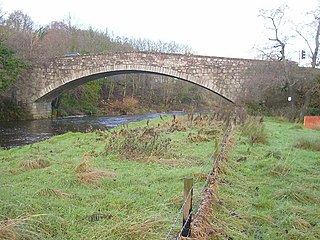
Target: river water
x: 19, y: 133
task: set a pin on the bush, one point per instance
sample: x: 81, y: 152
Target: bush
x: 11, y: 111
x: 124, y: 106
x: 138, y: 143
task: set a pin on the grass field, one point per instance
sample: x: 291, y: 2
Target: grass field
x: 270, y: 188
x: 122, y: 184
x: 127, y: 183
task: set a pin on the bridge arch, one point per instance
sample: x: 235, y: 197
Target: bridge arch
x: 81, y: 77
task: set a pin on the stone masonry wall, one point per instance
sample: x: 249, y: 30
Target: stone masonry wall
x: 225, y: 76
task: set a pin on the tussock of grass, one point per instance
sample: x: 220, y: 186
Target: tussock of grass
x: 309, y: 144
x: 37, y: 164
x: 297, y: 126
x: 152, y: 141
x: 301, y: 224
x: 175, y: 201
x: 254, y: 130
x: 138, y: 229
x: 89, y: 175
x: 52, y: 192
x: 134, y: 228
x: 84, y: 166
x: 280, y: 170
x: 94, y: 176
x: 170, y: 162
x: 23, y: 227
x: 274, y: 154
x: 297, y: 194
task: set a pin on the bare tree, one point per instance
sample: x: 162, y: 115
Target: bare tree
x: 143, y: 44
x: 300, y: 85
x: 310, y: 33
x: 2, y: 24
x: 2, y: 16
x: 19, y: 21
x: 274, y: 22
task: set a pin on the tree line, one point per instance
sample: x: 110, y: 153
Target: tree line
x: 22, y: 43
x: 28, y: 43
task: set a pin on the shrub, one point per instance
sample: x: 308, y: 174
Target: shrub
x: 137, y: 143
x: 11, y: 111
x: 124, y: 106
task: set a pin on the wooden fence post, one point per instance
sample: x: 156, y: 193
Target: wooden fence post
x: 187, y: 209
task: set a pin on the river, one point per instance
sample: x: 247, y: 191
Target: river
x: 19, y: 133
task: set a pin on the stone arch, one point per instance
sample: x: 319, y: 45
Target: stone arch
x: 77, y: 78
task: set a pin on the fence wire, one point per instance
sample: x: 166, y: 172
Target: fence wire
x: 175, y: 230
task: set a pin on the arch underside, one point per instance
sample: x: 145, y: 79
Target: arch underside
x: 52, y: 91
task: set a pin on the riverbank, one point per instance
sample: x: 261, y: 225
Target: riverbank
x: 122, y: 184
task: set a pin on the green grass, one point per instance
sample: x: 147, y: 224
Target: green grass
x: 75, y: 186
x: 271, y: 190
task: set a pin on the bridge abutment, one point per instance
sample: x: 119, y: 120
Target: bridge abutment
x: 40, y: 110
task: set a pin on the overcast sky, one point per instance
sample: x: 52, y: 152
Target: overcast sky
x: 228, y: 28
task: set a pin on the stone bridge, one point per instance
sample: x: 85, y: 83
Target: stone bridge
x: 47, y: 80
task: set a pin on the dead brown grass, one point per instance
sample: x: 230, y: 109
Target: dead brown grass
x: 301, y: 224
x: 94, y: 176
x: 175, y: 201
x: 298, y: 194
x: 24, y: 227
x: 202, y: 225
x: 197, y: 138
x: 140, y: 229
x: 35, y: 164
x: 126, y: 105
x: 200, y: 176
x: 84, y: 166
x: 90, y: 175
